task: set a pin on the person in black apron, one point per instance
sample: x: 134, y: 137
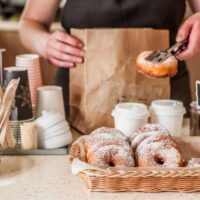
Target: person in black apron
x: 165, y: 14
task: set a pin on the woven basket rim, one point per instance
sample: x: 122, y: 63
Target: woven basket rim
x: 135, y: 171
x: 134, y: 179
x: 143, y: 173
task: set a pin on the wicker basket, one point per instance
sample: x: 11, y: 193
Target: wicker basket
x: 140, y: 179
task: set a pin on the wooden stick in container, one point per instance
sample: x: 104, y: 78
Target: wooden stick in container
x: 1, y: 95
x: 6, y: 102
x: 29, y: 136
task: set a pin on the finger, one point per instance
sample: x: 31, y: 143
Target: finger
x: 63, y: 56
x: 194, y: 43
x: 184, y: 31
x: 66, y: 38
x: 62, y: 47
x: 61, y: 63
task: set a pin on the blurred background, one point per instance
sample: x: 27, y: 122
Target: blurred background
x: 10, y: 11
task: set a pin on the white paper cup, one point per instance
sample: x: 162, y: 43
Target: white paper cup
x: 128, y: 117
x: 169, y: 114
x: 53, y: 130
x: 50, y: 98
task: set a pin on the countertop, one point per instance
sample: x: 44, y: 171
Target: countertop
x: 14, y: 26
x: 50, y: 178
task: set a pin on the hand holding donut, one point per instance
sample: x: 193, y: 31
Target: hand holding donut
x: 64, y: 50
x: 190, y: 29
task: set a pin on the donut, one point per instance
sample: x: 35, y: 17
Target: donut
x: 140, y: 137
x: 105, y: 135
x: 112, y: 156
x: 146, y: 131
x: 109, y: 147
x: 158, y: 151
x: 154, y: 127
x: 154, y: 147
x: 110, y: 132
x: 193, y: 162
x: 150, y: 128
x: 163, y: 69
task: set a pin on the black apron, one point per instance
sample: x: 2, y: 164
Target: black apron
x: 165, y: 14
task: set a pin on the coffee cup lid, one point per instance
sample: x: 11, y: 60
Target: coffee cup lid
x: 167, y: 106
x: 130, y: 110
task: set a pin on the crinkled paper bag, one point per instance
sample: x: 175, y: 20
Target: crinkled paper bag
x: 108, y: 75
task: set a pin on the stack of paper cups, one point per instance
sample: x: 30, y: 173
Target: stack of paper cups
x: 53, y: 131
x: 32, y: 63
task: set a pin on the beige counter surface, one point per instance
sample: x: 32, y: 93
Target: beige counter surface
x: 49, y: 178
x: 14, y: 26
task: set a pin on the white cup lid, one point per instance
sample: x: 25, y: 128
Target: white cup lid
x: 167, y: 106
x: 130, y: 110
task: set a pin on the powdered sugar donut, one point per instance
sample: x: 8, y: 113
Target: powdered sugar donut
x: 140, y: 137
x: 107, y: 136
x: 167, y: 68
x: 158, y: 151
x: 112, y: 156
x: 193, y: 162
x: 108, y: 147
x: 154, y: 127
x: 146, y: 131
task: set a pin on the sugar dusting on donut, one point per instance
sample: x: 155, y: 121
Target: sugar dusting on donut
x: 150, y: 129
x: 109, y: 147
x: 113, y: 156
x: 157, y: 152
x: 154, y: 128
x: 140, y: 137
x: 194, y: 162
x: 103, y: 138
x: 171, y: 61
x: 104, y: 135
x: 109, y: 132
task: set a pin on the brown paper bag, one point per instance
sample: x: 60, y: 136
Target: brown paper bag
x: 108, y: 75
